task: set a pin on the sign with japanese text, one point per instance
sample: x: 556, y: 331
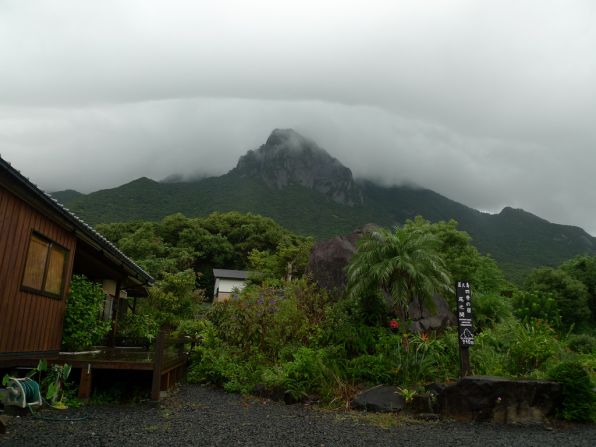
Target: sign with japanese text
x: 463, y: 298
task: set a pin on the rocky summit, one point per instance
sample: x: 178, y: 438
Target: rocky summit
x: 287, y: 158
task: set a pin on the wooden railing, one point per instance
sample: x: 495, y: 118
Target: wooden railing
x: 169, y: 362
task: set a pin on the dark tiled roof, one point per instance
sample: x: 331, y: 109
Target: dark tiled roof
x: 231, y: 274
x: 78, y: 223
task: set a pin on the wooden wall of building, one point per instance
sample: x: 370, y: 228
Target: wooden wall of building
x: 29, y: 322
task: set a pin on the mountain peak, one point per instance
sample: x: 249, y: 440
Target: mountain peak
x: 519, y: 215
x: 287, y: 137
x: 287, y: 158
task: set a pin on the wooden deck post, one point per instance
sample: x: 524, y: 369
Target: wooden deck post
x: 115, y: 310
x: 158, y: 365
x: 85, y: 383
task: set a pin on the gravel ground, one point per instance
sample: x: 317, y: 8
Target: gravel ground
x: 200, y: 416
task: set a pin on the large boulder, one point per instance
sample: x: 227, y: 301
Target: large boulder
x: 495, y: 399
x: 327, y: 266
x: 437, y: 317
x: 381, y: 398
x: 328, y: 260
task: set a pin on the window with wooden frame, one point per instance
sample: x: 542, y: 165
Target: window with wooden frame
x: 45, y: 268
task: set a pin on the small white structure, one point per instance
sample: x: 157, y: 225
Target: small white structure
x: 227, y: 282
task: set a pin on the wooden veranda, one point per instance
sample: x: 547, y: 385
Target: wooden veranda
x: 166, y: 361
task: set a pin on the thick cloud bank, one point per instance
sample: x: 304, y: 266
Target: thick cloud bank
x: 488, y: 102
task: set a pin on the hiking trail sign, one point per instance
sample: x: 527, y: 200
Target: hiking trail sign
x: 464, y: 313
x: 465, y: 332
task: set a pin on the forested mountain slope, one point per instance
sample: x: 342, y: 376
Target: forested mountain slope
x: 297, y: 183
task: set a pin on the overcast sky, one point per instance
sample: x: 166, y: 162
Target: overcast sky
x: 491, y: 103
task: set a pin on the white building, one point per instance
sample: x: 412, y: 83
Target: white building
x: 227, y: 282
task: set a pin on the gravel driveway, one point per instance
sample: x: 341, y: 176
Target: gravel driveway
x: 200, y: 416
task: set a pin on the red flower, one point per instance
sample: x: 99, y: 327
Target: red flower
x: 393, y: 324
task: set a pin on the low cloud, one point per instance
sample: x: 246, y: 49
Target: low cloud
x: 489, y: 103
x: 101, y: 147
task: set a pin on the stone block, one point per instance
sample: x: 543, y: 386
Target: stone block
x: 382, y: 399
x: 496, y: 399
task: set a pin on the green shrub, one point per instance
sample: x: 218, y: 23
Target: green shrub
x: 353, y: 338
x: 413, y: 359
x: 570, y: 295
x: 269, y: 320
x: 372, y: 369
x: 307, y: 373
x: 582, y: 343
x: 537, y: 305
x: 209, y: 358
x: 444, y: 351
x: 172, y: 299
x: 222, y: 367
x: 135, y: 329
x: 215, y: 362
x: 578, y: 399
x: 273, y: 377
x: 372, y: 309
x: 488, y: 356
x: 588, y: 361
x: 241, y: 377
x: 345, y: 328
x: 190, y: 328
x: 531, y: 346
x: 83, y: 327
x: 490, y: 310
x: 516, y: 349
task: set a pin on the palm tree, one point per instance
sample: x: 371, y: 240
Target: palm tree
x: 404, y: 264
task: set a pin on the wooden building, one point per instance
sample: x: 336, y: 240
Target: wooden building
x: 42, y: 245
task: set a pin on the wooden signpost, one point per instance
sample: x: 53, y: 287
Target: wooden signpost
x: 463, y: 298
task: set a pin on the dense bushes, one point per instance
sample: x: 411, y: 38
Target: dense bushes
x: 578, y: 397
x: 490, y: 310
x: 516, y: 349
x: 287, y: 337
x: 301, y: 343
x: 571, y: 295
x: 582, y: 343
x: 83, y: 326
x: 529, y: 306
x: 290, y: 338
x: 137, y: 330
x: 172, y: 299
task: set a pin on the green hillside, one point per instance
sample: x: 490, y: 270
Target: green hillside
x: 305, y: 193
x: 516, y: 239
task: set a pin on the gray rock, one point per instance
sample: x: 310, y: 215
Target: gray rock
x: 287, y: 158
x: 381, y: 399
x: 422, y: 403
x: 436, y: 318
x: 328, y: 260
x: 495, y: 399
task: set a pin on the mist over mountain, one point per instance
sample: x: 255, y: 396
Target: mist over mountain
x: 294, y: 181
